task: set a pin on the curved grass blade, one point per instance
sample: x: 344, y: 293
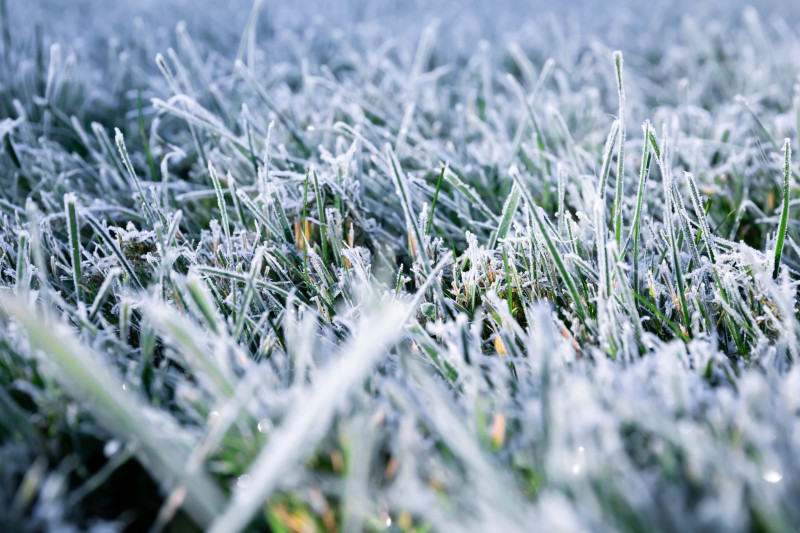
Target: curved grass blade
x: 84, y: 372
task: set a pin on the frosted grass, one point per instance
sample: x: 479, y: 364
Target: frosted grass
x: 366, y: 275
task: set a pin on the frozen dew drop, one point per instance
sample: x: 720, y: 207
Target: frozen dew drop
x: 772, y: 476
x: 111, y: 448
x: 311, y: 128
x: 213, y: 416
x: 386, y: 520
x: 124, y: 386
x: 576, y: 469
x: 264, y: 425
x: 244, y: 481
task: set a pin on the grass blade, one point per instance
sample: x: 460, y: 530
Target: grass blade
x: 85, y: 373
x: 435, y: 197
x: 509, y: 208
x: 565, y: 274
x: 606, y: 165
x: 787, y: 155
x: 617, y: 214
x: 74, y: 242
x: 123, y: 153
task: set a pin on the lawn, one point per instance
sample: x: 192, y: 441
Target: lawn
x: 363, y: 266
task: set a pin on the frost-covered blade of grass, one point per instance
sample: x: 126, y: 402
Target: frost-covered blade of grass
x: 307, y: 422
x: 787, y: 172
x: 86, y: 374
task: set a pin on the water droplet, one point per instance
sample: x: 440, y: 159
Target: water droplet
x: 111, y: 448
x: 124, y: 386
x: 576, y: 469
x: 311, y: 128
x: 264, y: 425
x: 772, y: 476
x: 244, y: 481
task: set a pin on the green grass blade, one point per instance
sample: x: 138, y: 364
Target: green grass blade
x: 304, y: 243
x: 787, y: 154
x: 255, y: 270
x: 435, y: 197
x: 617, y: 214
x: 123, y: 153
x: 606, y: 164
x: 636, y: 229
x: 666, y: 175
x: 509, y: 208
x: 565, y: 274
x: 320, y: 208
x: 223, y: 213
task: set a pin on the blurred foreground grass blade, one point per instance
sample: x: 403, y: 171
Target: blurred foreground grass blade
x: 192, y: 344
x: 306, y: 422
x: 85, y: 374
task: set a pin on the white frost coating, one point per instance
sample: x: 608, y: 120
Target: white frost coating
x: 525, y: 412
x: 308, y: 421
